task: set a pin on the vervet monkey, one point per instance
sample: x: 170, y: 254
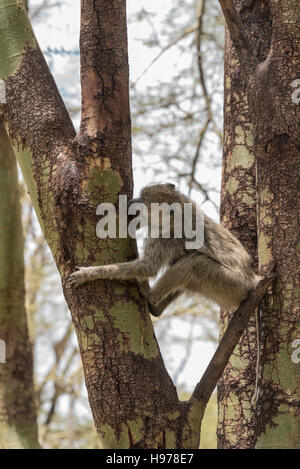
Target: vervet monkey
x: 220, y: 269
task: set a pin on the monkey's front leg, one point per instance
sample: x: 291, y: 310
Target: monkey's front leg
x: 137, y: 269
x: 89, y: 274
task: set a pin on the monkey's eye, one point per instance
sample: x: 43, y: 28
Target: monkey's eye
x: 170, y: 186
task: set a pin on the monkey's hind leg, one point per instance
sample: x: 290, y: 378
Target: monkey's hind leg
x: 171, y: 284
x: 156, y: 310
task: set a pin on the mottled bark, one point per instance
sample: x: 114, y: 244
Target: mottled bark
x: 273, y: 30
x: 236, y: 417
x: 18, y: 426
x: 276, y: 124
x: 238, y: 213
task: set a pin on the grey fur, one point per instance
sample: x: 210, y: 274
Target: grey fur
x: 220, y: 270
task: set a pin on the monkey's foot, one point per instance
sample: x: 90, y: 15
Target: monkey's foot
x: 82, y: 275
x: 155, y: 310
x: 154, y: 299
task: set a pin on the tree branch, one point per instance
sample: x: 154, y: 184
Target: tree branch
x: 197, y: 155
x: 230, y: 339
x: 200, y: 34
x: 34, y: 113
x: 240, y: 40
x: 104, y: 67
x: 199, y: 57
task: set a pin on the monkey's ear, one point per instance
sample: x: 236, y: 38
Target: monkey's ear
x: 171, y: 186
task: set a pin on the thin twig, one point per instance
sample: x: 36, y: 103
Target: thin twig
x: 175, y: 41
x: 197, y: 154
x: 199, y: 57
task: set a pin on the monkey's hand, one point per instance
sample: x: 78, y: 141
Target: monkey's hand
x: 83, y: 275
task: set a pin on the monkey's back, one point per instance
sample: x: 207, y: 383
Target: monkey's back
x: 225, y: 247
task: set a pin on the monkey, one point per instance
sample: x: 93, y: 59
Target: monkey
x: 220, y: 269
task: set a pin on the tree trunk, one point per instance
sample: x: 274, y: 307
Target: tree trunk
x: 18, y: 426
x: 276, y: 119
x: 236, y: 419
x: 269, y: 66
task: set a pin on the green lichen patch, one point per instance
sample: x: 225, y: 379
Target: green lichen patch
x: 170, y: 439
x: 103, y: 186
x: 278, y: 435
x: 81, y: 252
x: 247, y: 199
x: 232, y: 185
x: 25, y: 160
x: 110, y: 440
x: 135, y: 336
x: 98, y: 315
x: 264, y: 249
x: 241, y: 156
x: 191, y: 430
x: 89, y: 321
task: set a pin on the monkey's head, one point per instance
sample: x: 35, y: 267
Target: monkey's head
x: 158, y: 194
x: 154, y: 198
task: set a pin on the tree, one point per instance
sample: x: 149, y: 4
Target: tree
x: 266, y: 41
x: 238, y: 214
x: 18, y: 425
x: 133, y: 400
